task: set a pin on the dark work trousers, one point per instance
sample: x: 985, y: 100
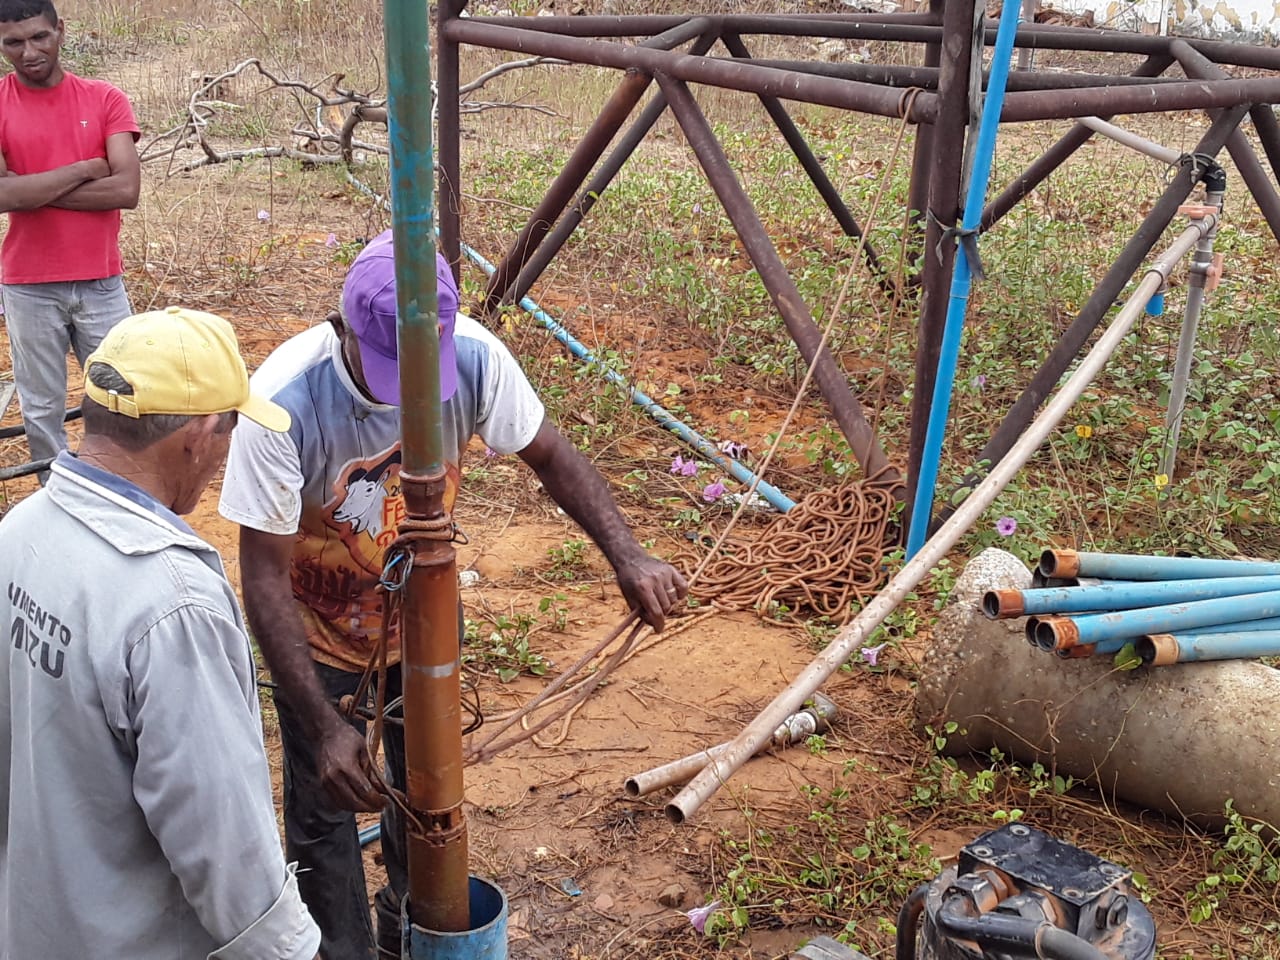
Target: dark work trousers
x: 323, y: 838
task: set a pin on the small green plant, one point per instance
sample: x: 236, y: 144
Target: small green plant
x: 1248, y: 857
x: 505, y: 647
x: 569, y: 560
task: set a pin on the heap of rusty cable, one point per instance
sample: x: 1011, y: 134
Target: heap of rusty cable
x: 824, y: 557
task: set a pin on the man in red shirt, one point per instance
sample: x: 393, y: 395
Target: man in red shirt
x: 68, y: 166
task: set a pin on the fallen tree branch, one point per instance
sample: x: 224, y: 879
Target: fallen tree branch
x: 315, y: 139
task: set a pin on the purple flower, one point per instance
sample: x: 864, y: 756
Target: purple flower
x: 1006, y: 526
x: 490, y: 453
x: 872, y: 654
x: 697, y: 208
x: 331, y: 241
x: 698, y: 916
x: 264, y: 216
x: 713, y: 491
x: 684, y: 468
x: 979, y: 381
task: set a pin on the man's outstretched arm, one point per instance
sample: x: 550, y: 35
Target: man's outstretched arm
x: 648, y: 584
x: 342, y: 759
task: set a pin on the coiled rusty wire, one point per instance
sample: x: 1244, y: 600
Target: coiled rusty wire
x: 824, y: 557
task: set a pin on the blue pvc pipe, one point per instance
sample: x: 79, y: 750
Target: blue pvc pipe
x: 772, y: 495
x: 1225, y: 646
x: 1123, y: 566
x: 1243, y: 626
x: 953, y: 330
x: 1147, y: 594
x: 1125, y: 625
x: 485, y: 939
x: 370, y: 834
x: 704, y: 446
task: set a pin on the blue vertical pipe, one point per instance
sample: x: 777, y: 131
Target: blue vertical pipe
x: 949, y: 354
x: 705, y: 447
x: 1130, y: 596
x: 1170, y: 618
x: 1123, y: 566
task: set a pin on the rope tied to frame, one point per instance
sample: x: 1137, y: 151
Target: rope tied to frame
x: 966, y: 238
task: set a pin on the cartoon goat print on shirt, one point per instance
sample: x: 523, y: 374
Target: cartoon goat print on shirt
x: 362, y: 505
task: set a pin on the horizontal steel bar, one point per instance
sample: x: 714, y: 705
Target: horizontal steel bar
x: 894, y: 75
x: 866, y: 97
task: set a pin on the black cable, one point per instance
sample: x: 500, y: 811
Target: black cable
x: 1012, y: 934
x: 908, y: 920
x: 24, y: 469
x: 20, y: 430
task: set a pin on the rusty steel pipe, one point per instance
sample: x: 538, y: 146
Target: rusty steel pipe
x: 1151, y: 98
x: 589, y: 149
x: 1057, y: 154
x: 813, y: 167
x: 907, y: 28
x: 1267, y: 128
x: 1100, y: 301
x: 867, y: 97
x: 945, y: 186
x: 449, y: 135
x: 926, y: 78
x: 560, y: 192
x: 546, y: 251
x: 1196, y: 64
x: 921, y: 156
x: 431, y: 675
x: 830, y: 379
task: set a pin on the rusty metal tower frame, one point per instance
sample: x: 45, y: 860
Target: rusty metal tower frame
x: 677, y: 51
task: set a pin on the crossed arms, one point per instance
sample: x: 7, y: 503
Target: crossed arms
x: 96, y: 184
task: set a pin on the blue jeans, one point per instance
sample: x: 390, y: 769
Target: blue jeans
x: 323, y: 838
x: 44, y: 321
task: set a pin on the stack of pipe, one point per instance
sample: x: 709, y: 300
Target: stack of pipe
x: 1171, y: 609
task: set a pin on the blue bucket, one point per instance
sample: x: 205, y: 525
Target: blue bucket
x: 486, y: 940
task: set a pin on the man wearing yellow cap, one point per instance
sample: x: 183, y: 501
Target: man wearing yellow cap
x: 135, y: 797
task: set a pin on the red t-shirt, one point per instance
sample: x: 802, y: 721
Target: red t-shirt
x: 41, y: 129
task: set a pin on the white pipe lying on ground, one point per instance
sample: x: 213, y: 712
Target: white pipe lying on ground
x: 743, y: 747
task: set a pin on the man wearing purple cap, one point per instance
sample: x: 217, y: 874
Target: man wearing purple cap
x: 317, y: 508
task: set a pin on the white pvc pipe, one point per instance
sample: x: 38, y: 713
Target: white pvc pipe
x: 1121, y: 135
x: 743, y: 747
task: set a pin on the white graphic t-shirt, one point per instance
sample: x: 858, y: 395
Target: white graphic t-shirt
x: 334, y: 478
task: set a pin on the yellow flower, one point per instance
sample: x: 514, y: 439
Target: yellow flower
x: 1162, y: 479
x: 1084, y: 431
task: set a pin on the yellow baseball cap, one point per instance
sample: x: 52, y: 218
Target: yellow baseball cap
x: 179, y: 362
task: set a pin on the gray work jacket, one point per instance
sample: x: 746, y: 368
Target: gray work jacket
x: 136, y: 819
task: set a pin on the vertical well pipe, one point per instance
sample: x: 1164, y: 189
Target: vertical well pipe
x: 926, y: 477
x: 439, y: 896
x: 1197, y: 282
